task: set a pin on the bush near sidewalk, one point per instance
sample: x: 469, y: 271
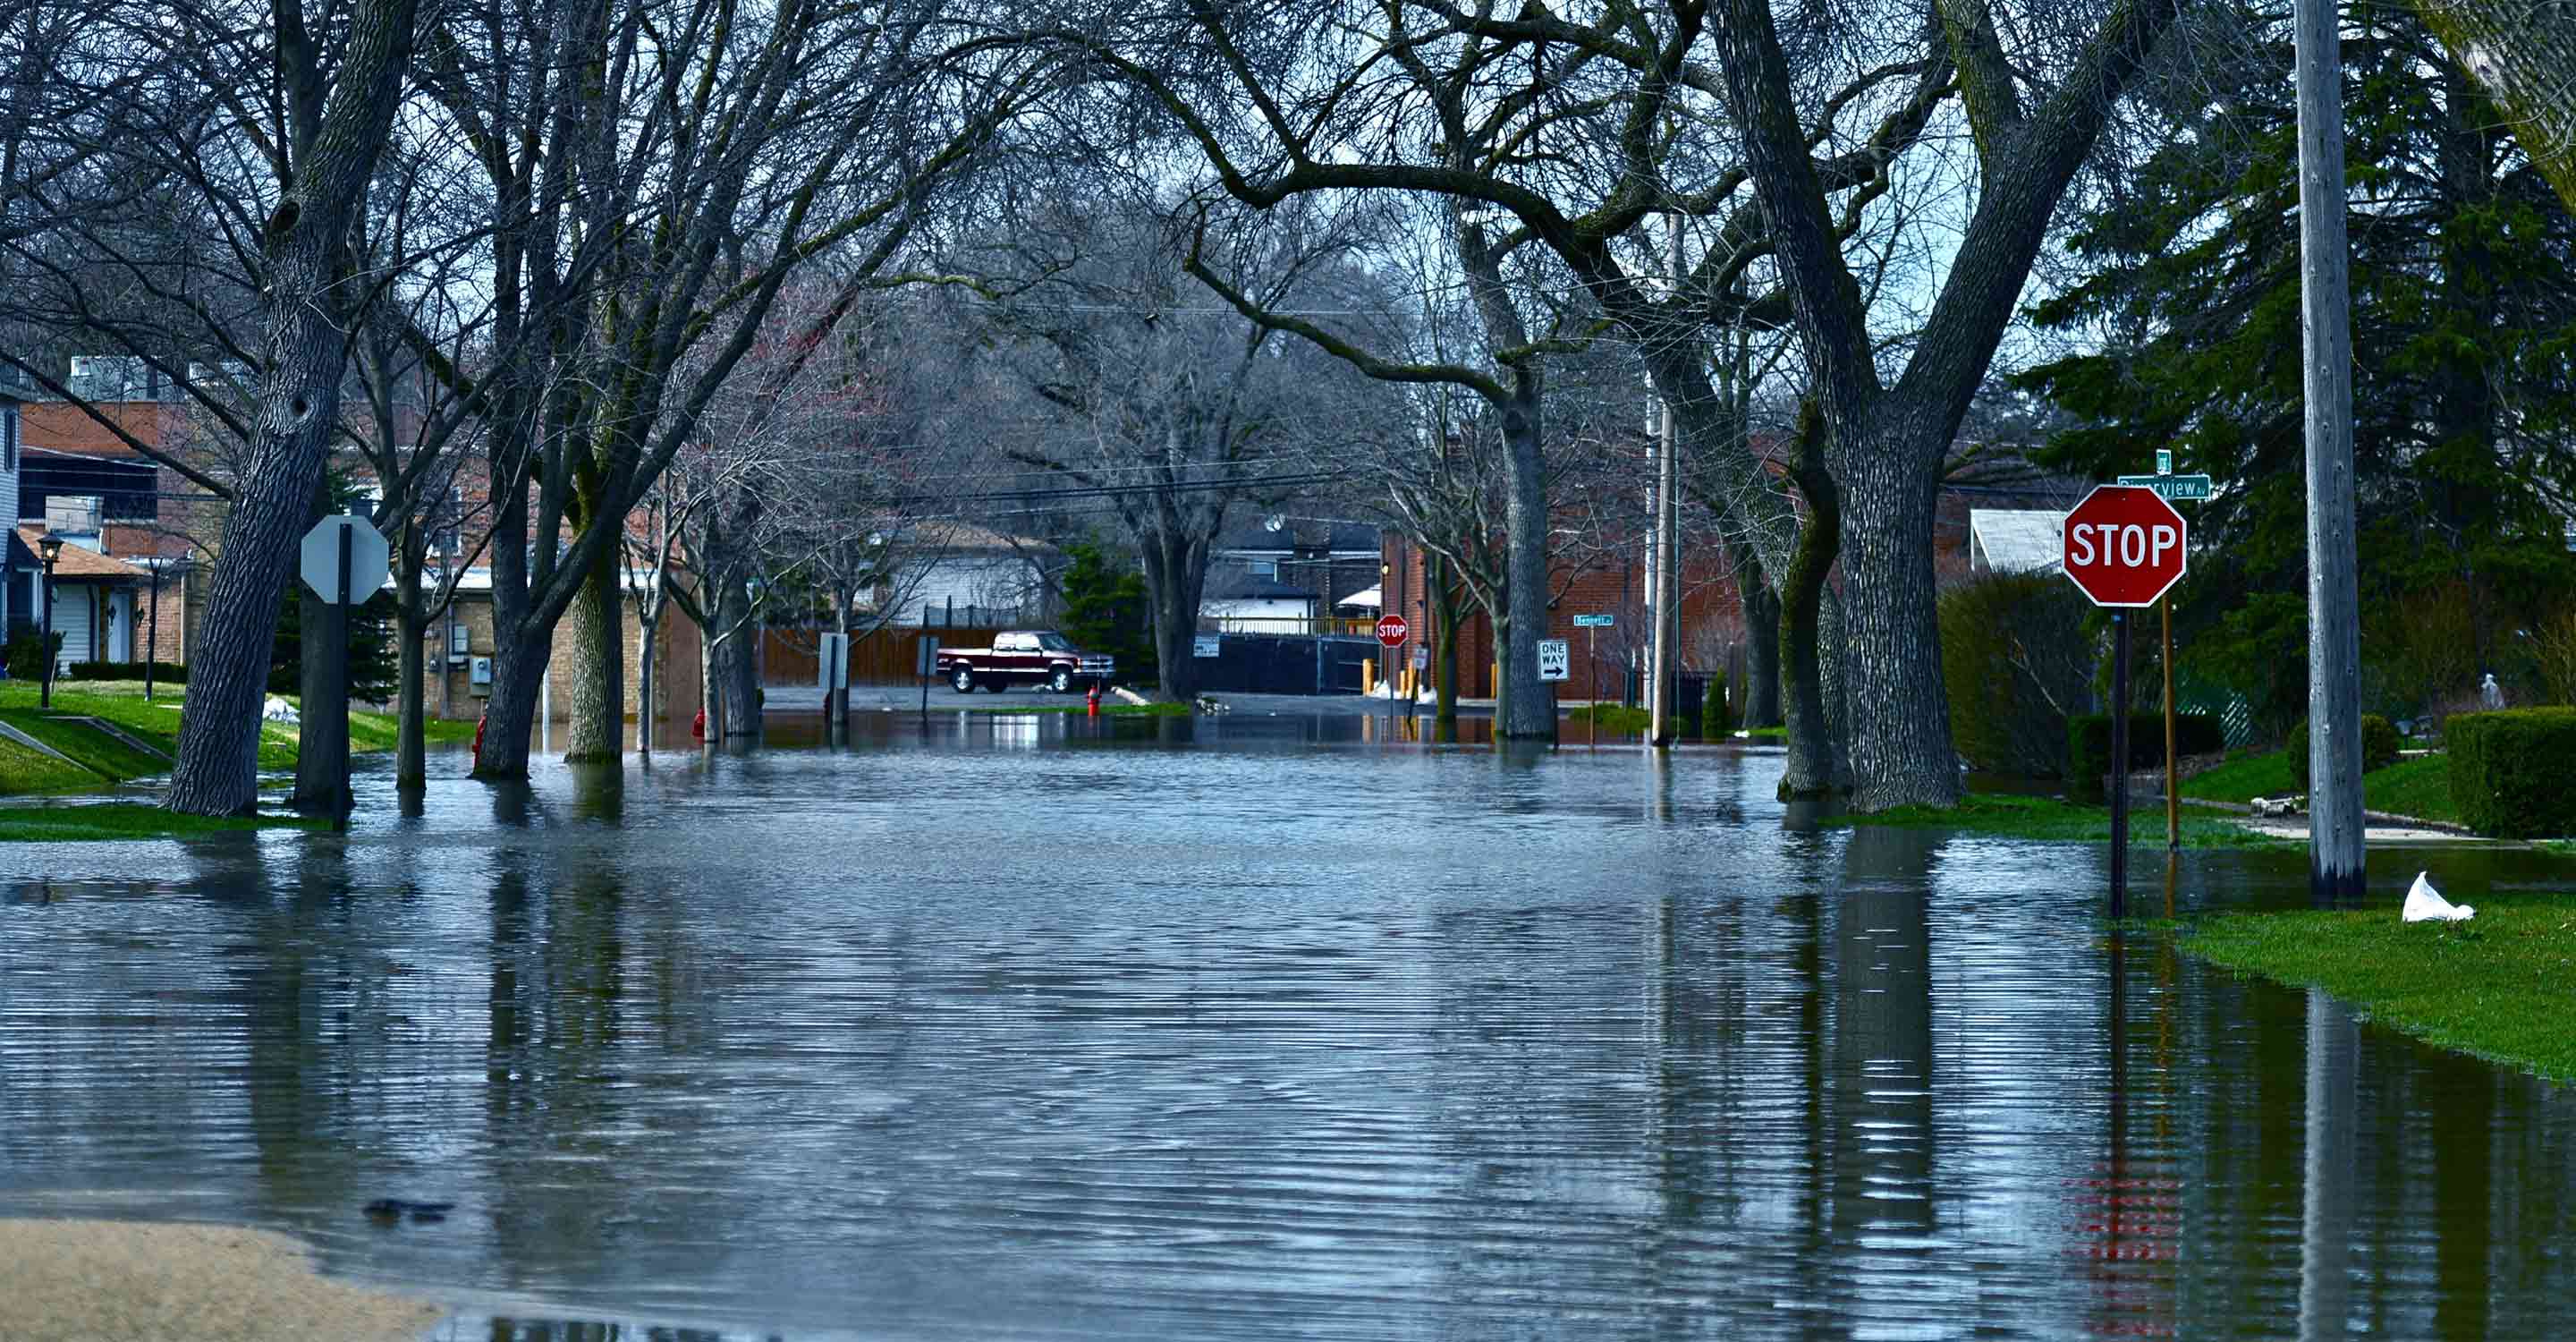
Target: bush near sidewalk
x: 2510, y: 771
x: 2088, y: 747
x: 2379, y: 748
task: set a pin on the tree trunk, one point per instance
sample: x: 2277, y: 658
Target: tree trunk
x: 1175, y: 576
x: 648, y: 613
x: 411, y: 732
x: 1811, y: 771
x: 708, y: 702
x: 2519, y: 54
x: 597, y: 728
x: 322, y: 719
x: 1900, y: 713
x: 737, y: 670
x: 1442, y: 601
x: 1527, y: 711
x: 304, y: 353
x: 519, y: 668
x: 1762, y: 616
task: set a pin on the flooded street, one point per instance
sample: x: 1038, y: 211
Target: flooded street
x: 1249, y: 1028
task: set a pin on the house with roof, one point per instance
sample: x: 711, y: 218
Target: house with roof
x: 961, y: 575
x: 93, y: 594
x: 2016, y: 540
x: 12, y: 396
x: 1278, y: 574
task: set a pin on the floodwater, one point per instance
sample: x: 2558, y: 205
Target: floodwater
x: 1252, y: 1028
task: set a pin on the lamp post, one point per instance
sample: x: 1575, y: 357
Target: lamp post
x: 49, y: 547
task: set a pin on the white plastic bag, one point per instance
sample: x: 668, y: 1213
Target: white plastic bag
x: 2424, y: 904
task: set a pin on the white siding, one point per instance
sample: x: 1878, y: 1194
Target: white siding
x: 1005, y: 584
x: 71, y: 620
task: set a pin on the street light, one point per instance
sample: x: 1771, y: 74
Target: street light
x: 49, y: 547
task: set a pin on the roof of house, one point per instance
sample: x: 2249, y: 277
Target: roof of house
x: 2018, y: 540
x: 965, y: 536
x: 1238, y: 585
x: 79, y: 563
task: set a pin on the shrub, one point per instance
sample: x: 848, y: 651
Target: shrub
x: 2379, y: 743
x: 2014, y: 654
x: 2509, y: 772
x: 26, y: 654
x: 2088, y: 746
x: 168, y: 673
x: 1713, y: 720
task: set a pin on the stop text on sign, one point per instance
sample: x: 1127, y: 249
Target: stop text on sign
x: 2124, y: 545
x: 2130, y: 546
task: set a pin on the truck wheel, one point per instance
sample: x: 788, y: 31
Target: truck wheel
x: 964, y: 680
x: 1062, y: 681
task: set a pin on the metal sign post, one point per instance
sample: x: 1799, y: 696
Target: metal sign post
x: 340, y: 558
x: 2125, y: 547
x: 925, y: 662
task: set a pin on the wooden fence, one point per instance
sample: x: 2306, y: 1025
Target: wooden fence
x: 880, y: 657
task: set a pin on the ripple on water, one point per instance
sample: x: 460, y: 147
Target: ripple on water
x: 966, y: 1035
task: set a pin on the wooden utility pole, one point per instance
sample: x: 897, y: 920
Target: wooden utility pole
x: 1663, y: 577
x: 2334, y: 598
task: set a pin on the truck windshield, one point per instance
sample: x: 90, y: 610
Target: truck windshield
x: 1055, y: 643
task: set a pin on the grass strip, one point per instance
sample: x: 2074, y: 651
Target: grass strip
x: 2051, y: 820
x: 125, y: 820
x: 2420, y: 787
x: 156, y: 721
x: 30, y: 771
x: 1107, y: 710
x: 2501, y: 986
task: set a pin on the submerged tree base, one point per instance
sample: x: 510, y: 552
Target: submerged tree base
x: 2501, y: 986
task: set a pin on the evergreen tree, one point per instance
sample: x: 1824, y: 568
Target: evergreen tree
x: 1106, y: 611
x: 2463, y: 390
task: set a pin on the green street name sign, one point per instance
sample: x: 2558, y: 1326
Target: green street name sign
x: 2172, y: 487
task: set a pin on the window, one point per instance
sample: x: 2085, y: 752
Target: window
x: 1055, y: 643
x: 1264, y: 568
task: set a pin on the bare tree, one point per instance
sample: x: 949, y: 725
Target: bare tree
x: 1163, y: 405
x: 659, y: 168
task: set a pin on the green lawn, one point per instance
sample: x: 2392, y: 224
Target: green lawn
x: 2243, y: 778
x: 155, y: 721
x: 2420, y: 787
x: 31, y: 771
x: 118, y: 820
x: 2501, y: 986
x: 2049, y: 819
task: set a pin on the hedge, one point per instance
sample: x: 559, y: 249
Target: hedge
x: 2088, y: 746
x: 168, y: 673
x: 2379, y: 742
x: 2013, y: 647
x: 26, y: 653
x: 2510, y: 774
x: 1713, y: 721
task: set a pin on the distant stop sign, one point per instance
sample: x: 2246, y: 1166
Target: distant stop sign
x: 2124, y: 545
x: 1391, y: 630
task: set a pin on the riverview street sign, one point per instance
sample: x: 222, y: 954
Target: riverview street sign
x: 368, y: 554
x: 2124, y: 545
x: 1391, y: 630
x: 1593, y: 621
x: 2184, y: 487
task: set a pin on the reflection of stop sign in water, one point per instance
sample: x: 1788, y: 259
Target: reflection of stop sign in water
x: 2124, y: 545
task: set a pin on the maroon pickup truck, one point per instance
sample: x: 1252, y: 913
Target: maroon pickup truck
x: 1024, y: 656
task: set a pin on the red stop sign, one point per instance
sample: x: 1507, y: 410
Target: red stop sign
x: 1391, y: 630
x: 2124, y: 545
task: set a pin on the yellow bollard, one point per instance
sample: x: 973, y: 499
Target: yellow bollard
x: 1368, y: 675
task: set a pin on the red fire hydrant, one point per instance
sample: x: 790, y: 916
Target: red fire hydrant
x: 1095, y: 699
x: 479, y: 724
x: 698, y: 729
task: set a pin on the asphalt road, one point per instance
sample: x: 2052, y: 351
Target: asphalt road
x: 873, y: 698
